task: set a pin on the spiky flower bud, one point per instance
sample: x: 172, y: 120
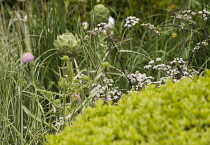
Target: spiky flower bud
x: 67, y: 44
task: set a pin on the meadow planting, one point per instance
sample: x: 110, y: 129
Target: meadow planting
x: 104, y: 72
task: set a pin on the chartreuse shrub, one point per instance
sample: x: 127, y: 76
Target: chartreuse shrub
x: 174, y: 113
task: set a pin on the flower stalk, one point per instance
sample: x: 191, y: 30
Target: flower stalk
x: 70, y: 71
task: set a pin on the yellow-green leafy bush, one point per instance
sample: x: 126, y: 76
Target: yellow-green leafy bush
x: 172, y: 114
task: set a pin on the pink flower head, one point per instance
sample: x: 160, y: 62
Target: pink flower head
x: 77, y: 96
x: 27, y: 57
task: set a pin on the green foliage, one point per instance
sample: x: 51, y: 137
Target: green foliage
x: 175, y: 113
x: 141, y: 8
x: 38, y: 97
x: 101, y: 13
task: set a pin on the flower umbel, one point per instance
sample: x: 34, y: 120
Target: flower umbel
x: 131, y: 21
x: 27, y: 57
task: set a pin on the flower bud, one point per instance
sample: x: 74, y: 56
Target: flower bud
x: 65, y: 57
x: 106, y: 64
x: 57, y: 101
x: 67, y: 44
x: 84, y: 77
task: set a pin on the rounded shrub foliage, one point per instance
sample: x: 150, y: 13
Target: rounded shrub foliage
x: 175, y: 113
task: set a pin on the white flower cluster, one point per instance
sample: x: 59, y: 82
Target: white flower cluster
x: 131, y: 21
x: 107, y: 92
x: 85, y: 25
x: 205, y: 14
x: 139, y: 80
x: 199, y: 45
x: 78, y: 79
x: 182, y: 25
x: 152, y: 27
x: 151, y: 62
x: 178, y: 61
x: 100, y: 29
x: 190, y: 12
x: 185, y: 15
x: 175, y: 70
x: 60, y: 121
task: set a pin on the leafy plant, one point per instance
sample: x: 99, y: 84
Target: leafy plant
x: 175, y: 113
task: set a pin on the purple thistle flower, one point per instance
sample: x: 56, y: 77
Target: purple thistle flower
x: 27, y: 57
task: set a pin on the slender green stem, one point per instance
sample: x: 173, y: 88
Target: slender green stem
x: 70, y: 71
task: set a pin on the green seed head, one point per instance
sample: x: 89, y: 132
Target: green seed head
x: 106, y: 64
x: 101, y: 13
x: 86, y: 78
x: 65, y: 57
x: 63, y: 84
x: 57, y: 101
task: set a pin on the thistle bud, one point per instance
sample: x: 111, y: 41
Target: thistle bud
x: 67, y: 44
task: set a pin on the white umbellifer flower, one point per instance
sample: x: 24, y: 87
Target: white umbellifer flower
x: 158, y: 59
x: 200, y: 12
x: 60, y: 122
x: 152, y: 27
x: 151, y: 62
x: 100, y: 29
x: 204, y: 43
x: 86, y: 37
x: 147, y: 66
x: 107, y: 92
x: 185, y: 15
x: 205, y: 14
x: 85, y: 25
x: 68, y: 116
x: 155, y: 67
x: 182, y: 25
x: 178, y: 16
x: 131, y: 21
x: 116, y: 97
x: 198, y: 45
x: 193, y: 13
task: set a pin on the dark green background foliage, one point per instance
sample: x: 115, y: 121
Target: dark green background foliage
x: 138, y: 8
x: 141, y: 8
x: 125, y: 8
x: 175, y: 113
